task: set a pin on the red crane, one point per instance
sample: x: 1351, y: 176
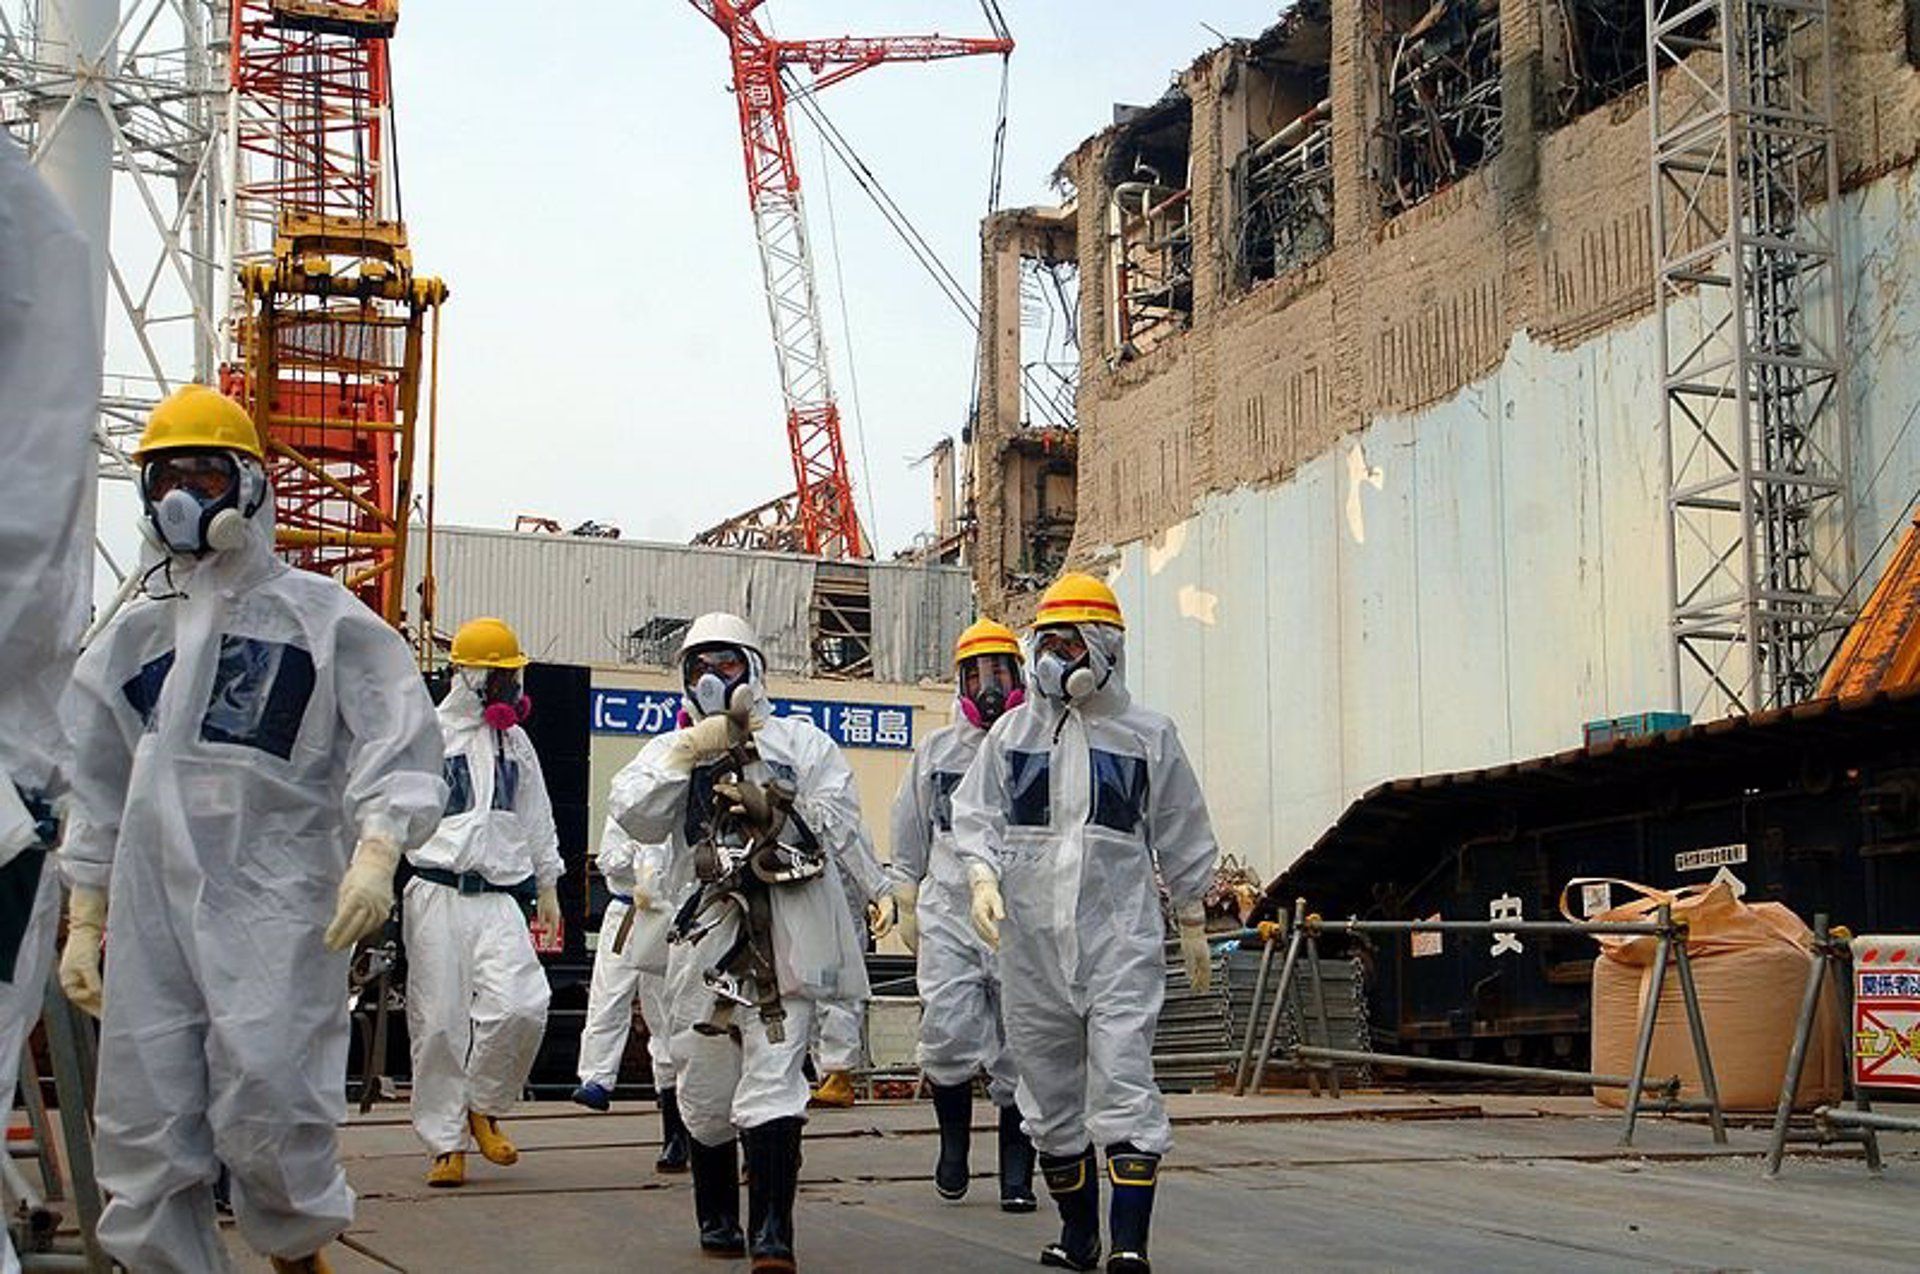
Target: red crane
x: 822, y: 519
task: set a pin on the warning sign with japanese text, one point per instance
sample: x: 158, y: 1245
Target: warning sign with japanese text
x: 1886, y: 1011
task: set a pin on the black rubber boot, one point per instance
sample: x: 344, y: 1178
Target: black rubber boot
x: 1074, y: 1182
x: 1016, y: 1164
x: 673, y: 1135
x: 1133, y: 1173
x: 716, y: 1197
x: 773, y: 1166
x: 953, y: 1107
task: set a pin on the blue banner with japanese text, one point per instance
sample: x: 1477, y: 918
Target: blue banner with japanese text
x: 851, y: 725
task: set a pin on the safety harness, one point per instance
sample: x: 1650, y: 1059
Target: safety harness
x: 736, y: 825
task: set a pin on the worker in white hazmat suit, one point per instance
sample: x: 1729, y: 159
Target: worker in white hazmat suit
x: 476, y: 992
x: 1072, y: 804
x: 49, y: 387
x: 960, y: 1028
x: 631, y: 960
x: 740, y: 1030
x: 254, y: 750
x: 839, y: 1043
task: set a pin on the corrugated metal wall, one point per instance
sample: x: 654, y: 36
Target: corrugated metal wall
x: 575, y: 600
x: 1468, y: 584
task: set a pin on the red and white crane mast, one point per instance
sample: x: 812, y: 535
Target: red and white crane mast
x: 827, y: 522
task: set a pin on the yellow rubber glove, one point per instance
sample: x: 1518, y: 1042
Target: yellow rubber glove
x: 80, y: 958
x: 906, y: 901
x: 366, y: 892
x: 988, y: 909
x: 1193, y: 946
x: 546, y: 909
x: 880, y: 918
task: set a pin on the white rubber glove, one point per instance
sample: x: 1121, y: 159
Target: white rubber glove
x: 546, y: 909
x: 988, y: 909
x: 702, y: 741
x: 1194, y: 953
x: 880, y: 917
x: 906, y: 901
x: 80, y: 958
x: 366, y: 892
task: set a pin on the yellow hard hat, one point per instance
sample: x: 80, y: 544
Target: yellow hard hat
x: 1075, y: 598
x: 196, y: 416
x: 487, y: 643
x: 986, y: 637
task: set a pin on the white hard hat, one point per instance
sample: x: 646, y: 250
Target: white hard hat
x: 718, y: 628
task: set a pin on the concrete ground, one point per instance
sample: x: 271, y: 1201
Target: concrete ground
x: 1377, y: 1181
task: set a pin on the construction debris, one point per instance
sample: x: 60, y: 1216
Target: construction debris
x: 1443, y: 99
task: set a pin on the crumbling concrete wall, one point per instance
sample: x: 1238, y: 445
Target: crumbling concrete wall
x: 1464, y: 584
x: 1005, y: 457
x: 1551, y: 237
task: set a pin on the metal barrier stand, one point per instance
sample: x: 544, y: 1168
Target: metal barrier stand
x: 70, y: 1047
x: 1832, y: 957
x: 1303, y: 931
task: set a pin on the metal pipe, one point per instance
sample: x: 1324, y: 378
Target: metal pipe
x: 1297, y: 935
x: 1697, y: 1027
x: 1293, y: 129
x: 129, y: 585
x: 1643, y: 1048
x: 1217, y: 1057
x: 54, y: 1262
x: 1840, y: 966
x: 1253, y: 1009
x: 73, y: 145
x: 1320, y: 1011
x: 1489, y: 1070
x: 1650, y: 929
x: 1802, y: 1035
x: 70, y: 1049
x: 1867, y: 1119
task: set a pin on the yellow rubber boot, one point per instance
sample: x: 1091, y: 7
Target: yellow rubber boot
x: 315, y: 1264
x: 836, y: 1090
x: 492, y: 1142
x: 449, y: 1170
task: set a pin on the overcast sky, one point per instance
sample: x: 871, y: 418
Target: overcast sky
x: 574, y: 173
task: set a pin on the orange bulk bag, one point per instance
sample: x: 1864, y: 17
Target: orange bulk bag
x: 1750, y: 964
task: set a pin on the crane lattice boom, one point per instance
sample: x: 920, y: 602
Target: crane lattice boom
x: 827, y: 522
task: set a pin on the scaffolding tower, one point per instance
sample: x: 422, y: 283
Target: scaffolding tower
x: 1756, y: 456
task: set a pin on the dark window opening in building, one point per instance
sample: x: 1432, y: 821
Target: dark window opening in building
x: 1042, y: 489
x: 842, y: 622
x: 655, y: 642
x: 1283, y: 178
x: 1913, y: 32
x: 1598, y: 49
x: 1150, y: 226
x: 1441, y: 81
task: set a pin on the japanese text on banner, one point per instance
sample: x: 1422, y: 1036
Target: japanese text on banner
x: 851, y: 725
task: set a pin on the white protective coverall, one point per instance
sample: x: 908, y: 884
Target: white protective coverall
x: 49, y: 383
x: 838, y: 1043
x: 639, y: 968
x: 476, y: 993
x: 1072, y: 807
x: 723, y: 1085
x: 960, y: 1028
x: 235, y: 731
